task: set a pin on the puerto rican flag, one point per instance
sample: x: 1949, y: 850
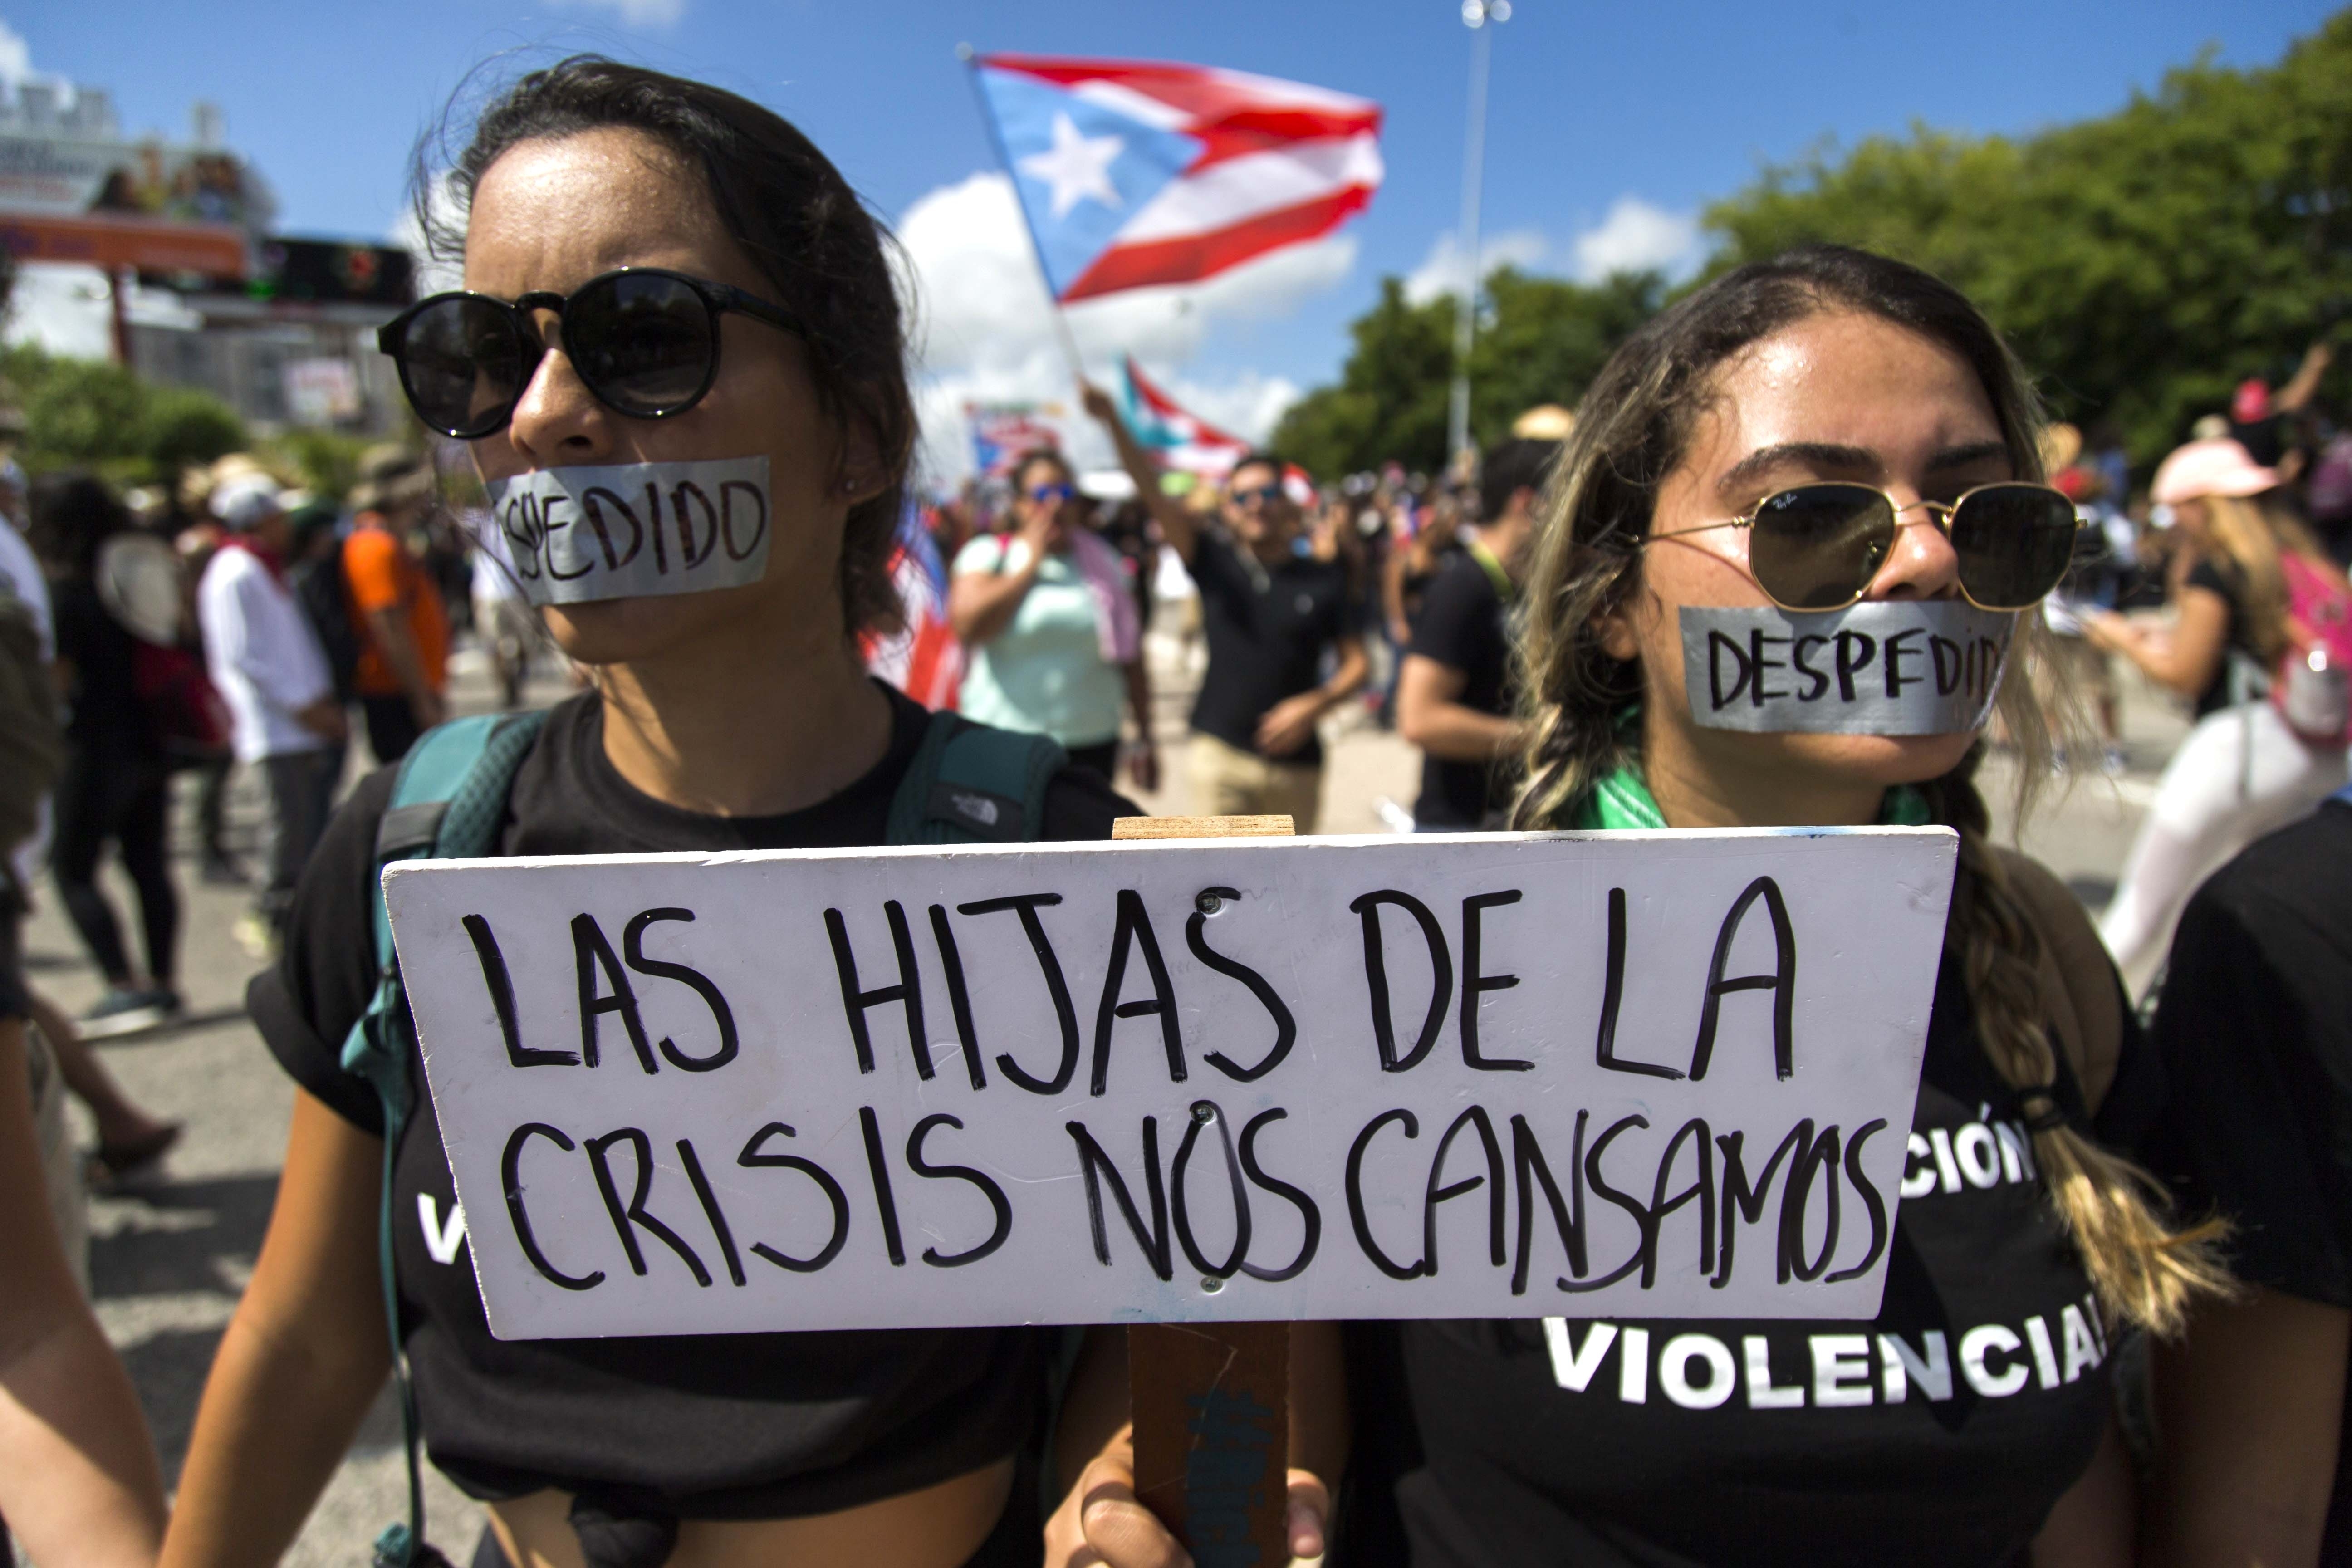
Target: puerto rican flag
x: 1003, y: 432
x: 1183, y: 440
x: 1133, y: 173
x: 924, y: 660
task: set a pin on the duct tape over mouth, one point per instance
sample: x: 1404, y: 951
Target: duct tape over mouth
x: 627, y: 530
x: 1917, y: 668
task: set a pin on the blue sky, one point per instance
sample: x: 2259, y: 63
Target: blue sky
x: 1641, y: 113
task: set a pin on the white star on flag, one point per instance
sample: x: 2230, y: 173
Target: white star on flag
x: 1077, y: 166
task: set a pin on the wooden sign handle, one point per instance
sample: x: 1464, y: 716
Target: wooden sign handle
x: 1211, y: 1402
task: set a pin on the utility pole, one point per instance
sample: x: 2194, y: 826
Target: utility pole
x: 1475, y: 15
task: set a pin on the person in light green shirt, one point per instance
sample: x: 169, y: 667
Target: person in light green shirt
x: 1051, y: 628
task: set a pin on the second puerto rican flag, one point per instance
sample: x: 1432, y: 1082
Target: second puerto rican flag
x: 1136, y: 173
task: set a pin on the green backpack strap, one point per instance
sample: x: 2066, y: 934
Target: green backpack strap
x: 446, y: 802
x: 970, y: 783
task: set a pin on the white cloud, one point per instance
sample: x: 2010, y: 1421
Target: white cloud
x: 1446, y: 269
x: 632, y: 13
x: 984, y: 327
x: 1633, y: 235
x: 434, y: 274
x: 1636, y: 235
x: 15, y: 57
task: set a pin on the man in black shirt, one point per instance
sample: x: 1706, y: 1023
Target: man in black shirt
x: 1271, y: 612
x: 2255, y: 1032
x: 1455, y: 692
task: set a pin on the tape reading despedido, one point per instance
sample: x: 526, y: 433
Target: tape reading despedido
x: 627, y: 529
x: 1929, y: 667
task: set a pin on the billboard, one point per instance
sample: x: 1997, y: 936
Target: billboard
x: 73, y: 189
x: 55, y: 174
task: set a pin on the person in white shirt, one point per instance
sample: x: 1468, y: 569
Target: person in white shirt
x: 267, y: 665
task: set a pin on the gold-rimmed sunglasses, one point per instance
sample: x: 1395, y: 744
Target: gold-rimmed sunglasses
x: 1816, y: 547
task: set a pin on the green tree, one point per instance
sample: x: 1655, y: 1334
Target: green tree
x: 1540, y: 340
x: 183, y: 427
x: 328, y: 460
x: 1391, y: 399
x: 88, y: 414
x: 2141, y: 263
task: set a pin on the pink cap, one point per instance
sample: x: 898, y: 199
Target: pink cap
x: 2222, y: 468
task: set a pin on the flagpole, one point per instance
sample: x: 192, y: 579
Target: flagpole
x: 1475, y: 14
x: 970, y: 59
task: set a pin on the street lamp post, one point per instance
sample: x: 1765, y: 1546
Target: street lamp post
x: 1475, y: 15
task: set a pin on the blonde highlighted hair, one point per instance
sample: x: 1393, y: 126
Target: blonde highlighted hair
x: 1633, y: 430
x: 2250, y: 534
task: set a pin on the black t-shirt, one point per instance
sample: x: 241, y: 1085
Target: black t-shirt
x: 716, y: 1427
x: 2255, y: 1033
x: 1267, y: 628
x: 2264, y: 439
x: 2218, y: 578
x: 107, y: 718
x: 1460, y: 626
x: 1942, y: 1432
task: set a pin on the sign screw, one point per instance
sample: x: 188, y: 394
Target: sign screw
x: 1208, y: 903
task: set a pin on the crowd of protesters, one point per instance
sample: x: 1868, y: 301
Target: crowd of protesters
x: 2189, y: 1184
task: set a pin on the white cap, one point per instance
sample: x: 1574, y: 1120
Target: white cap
x: 246, y: 501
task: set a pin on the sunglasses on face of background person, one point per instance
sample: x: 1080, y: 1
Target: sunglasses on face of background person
x: 1051, y: 495
x: 643, y: 340
x: 1816, y: 547
x: 1263, y: 495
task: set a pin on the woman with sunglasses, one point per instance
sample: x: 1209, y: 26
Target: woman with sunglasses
x: 1050, y: 616
x: 658, y: 274
x: 1829, y: 430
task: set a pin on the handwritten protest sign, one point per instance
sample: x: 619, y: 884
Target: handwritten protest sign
x: 1481, y: 1076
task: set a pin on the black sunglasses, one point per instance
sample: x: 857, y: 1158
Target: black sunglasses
x: 1816, y: 547
x: 643, y: 339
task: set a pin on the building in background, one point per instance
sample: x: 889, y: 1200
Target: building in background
x: 175, y: 242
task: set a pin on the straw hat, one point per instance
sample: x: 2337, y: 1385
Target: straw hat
x: 391, y: 475
x: 2060, y: 445
x: 1544, y: 422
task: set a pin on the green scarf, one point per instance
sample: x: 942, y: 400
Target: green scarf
x: 1622, y: 800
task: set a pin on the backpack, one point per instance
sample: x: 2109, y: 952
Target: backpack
x: 2313, y: 686
x: 190, y: 717
x: 325, y: 595
x: 141, y: 588
x: 967, y: 784
x: 32, y: 736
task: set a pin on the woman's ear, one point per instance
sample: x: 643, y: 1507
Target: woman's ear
x: 1615, y: 630
x: 861, y: 474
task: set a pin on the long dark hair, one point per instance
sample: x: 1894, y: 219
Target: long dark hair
x: 1633, y: 430
x: 73, y: 515
x: 825, y: 257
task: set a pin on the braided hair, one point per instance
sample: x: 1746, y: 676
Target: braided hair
x: 1631, y: 432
